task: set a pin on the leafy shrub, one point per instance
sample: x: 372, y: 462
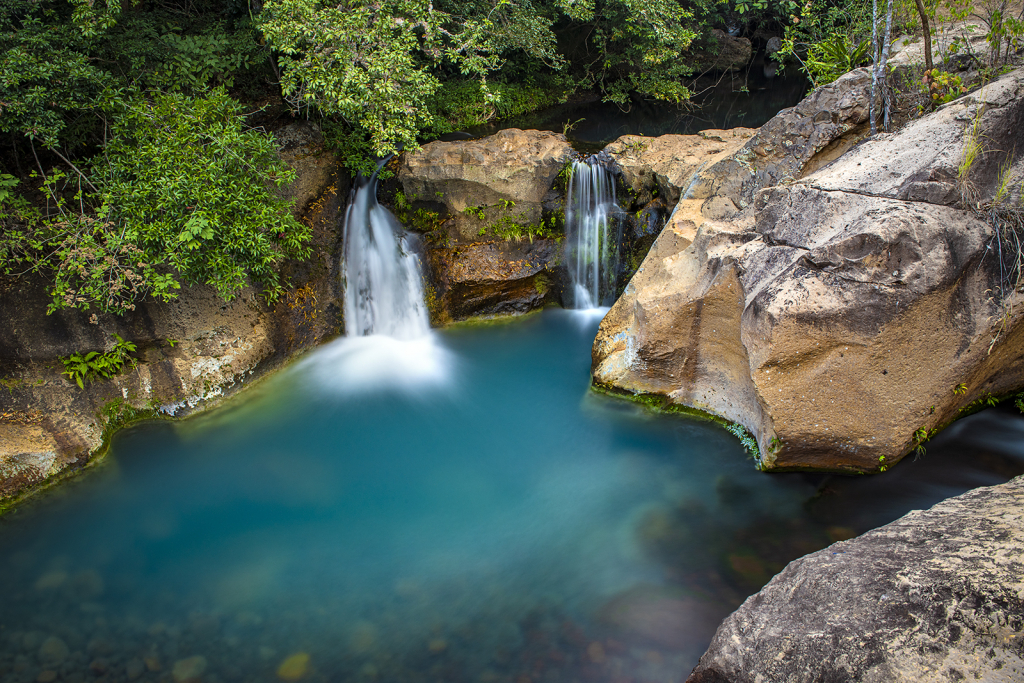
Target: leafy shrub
x: 94, y: 364
x: 836, y: 55
x: 191, y: 188
x: 943, y: 86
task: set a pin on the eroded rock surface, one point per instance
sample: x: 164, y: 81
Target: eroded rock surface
x: 666, y: 165
x: 508, y: 174
x: 496, y: 277
x: 835, y: 317
x: 936, y: 596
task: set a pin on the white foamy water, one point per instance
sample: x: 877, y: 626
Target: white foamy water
x: 591, y: 220
x: 377, y: 361
x: 388, y: 343
x: 383, y: 281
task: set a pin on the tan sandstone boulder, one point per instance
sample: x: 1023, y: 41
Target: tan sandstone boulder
x: 507, y: 174
x: 838, y: 317
x: 495, y: 278
x: 667, y: 164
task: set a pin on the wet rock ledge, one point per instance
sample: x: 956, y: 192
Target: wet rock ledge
x: 937, y: 595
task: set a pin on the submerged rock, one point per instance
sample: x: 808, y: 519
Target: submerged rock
x: 53, y: 652
x: 835, y: 318
x: 934, y: 596
x: 189, y: 670
x: 294, y: 667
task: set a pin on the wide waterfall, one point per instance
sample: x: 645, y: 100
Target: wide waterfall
x: 388, y: 342
x: 593, y: 227
x: 383, y: 282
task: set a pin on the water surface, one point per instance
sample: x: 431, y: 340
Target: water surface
x: 494, y: 521
x: 748, y: 99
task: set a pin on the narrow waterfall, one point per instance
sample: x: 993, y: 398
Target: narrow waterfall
x: 593, y: 229
x: 388, y: 343
x: 383, y: 283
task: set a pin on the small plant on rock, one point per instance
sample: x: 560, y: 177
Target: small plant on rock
x: 943, y: 86
x: 83, y: 368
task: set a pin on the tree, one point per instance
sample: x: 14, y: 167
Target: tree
x: 182, y: 191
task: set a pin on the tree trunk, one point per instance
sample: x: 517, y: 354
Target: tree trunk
x: 874, y: 64
x: 927, y: 35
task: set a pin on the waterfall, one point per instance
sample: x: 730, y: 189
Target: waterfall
x: 593, y: 227
x: 388, y: 344
x: 383, y: 283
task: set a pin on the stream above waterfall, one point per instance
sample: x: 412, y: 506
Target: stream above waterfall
x: 498, y: 521
x: 745, y: 99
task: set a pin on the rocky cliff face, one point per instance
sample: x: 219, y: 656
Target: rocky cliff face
x: 839, y: 315
x: 190, y: 353
x: 490, y: 194
x: 935, y: 596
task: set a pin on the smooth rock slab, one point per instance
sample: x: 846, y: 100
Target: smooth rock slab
x: 937, y: 595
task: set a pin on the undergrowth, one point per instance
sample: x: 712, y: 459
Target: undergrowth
x: 99, y: 365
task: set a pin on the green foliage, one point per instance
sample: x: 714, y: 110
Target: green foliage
x: 943, y: 86
x: 96, y: 365
x: 461, y: 104
x: 510, y: 229
x: 635, y: 46
x: 45, y: 82
x: 478, y: 211
x: 118, y: 413
x: 748, y: 442
x: 374, y: 65
x: 921, y: 436
x: 188, y: 185
x: 828, y: 38
x: 181, y: 190
x: 209, y: 59
x: 831, y: 58
x: 960, y: 389
x: 1019, y: 402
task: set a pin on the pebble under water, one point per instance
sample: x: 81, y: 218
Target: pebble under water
x: 496, y: 522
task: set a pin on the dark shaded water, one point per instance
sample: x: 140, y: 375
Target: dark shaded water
x: 744, y: 99
x: 494, y: 522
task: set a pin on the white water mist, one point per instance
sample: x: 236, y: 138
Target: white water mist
x: 383, y: 282
x: 388, y: 343
x: 592, y: 227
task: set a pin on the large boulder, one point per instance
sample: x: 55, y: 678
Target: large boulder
x: 794, y: 143
x: 508, y: 175
x: 727, y: 53
x: 848, y: 316
x: 494, y: 278
x: 937, y: 595
x: 666, y: 165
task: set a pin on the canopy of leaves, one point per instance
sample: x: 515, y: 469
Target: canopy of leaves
x: 182, y: 190
x: 127, y: 113
x: 192, y: 188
